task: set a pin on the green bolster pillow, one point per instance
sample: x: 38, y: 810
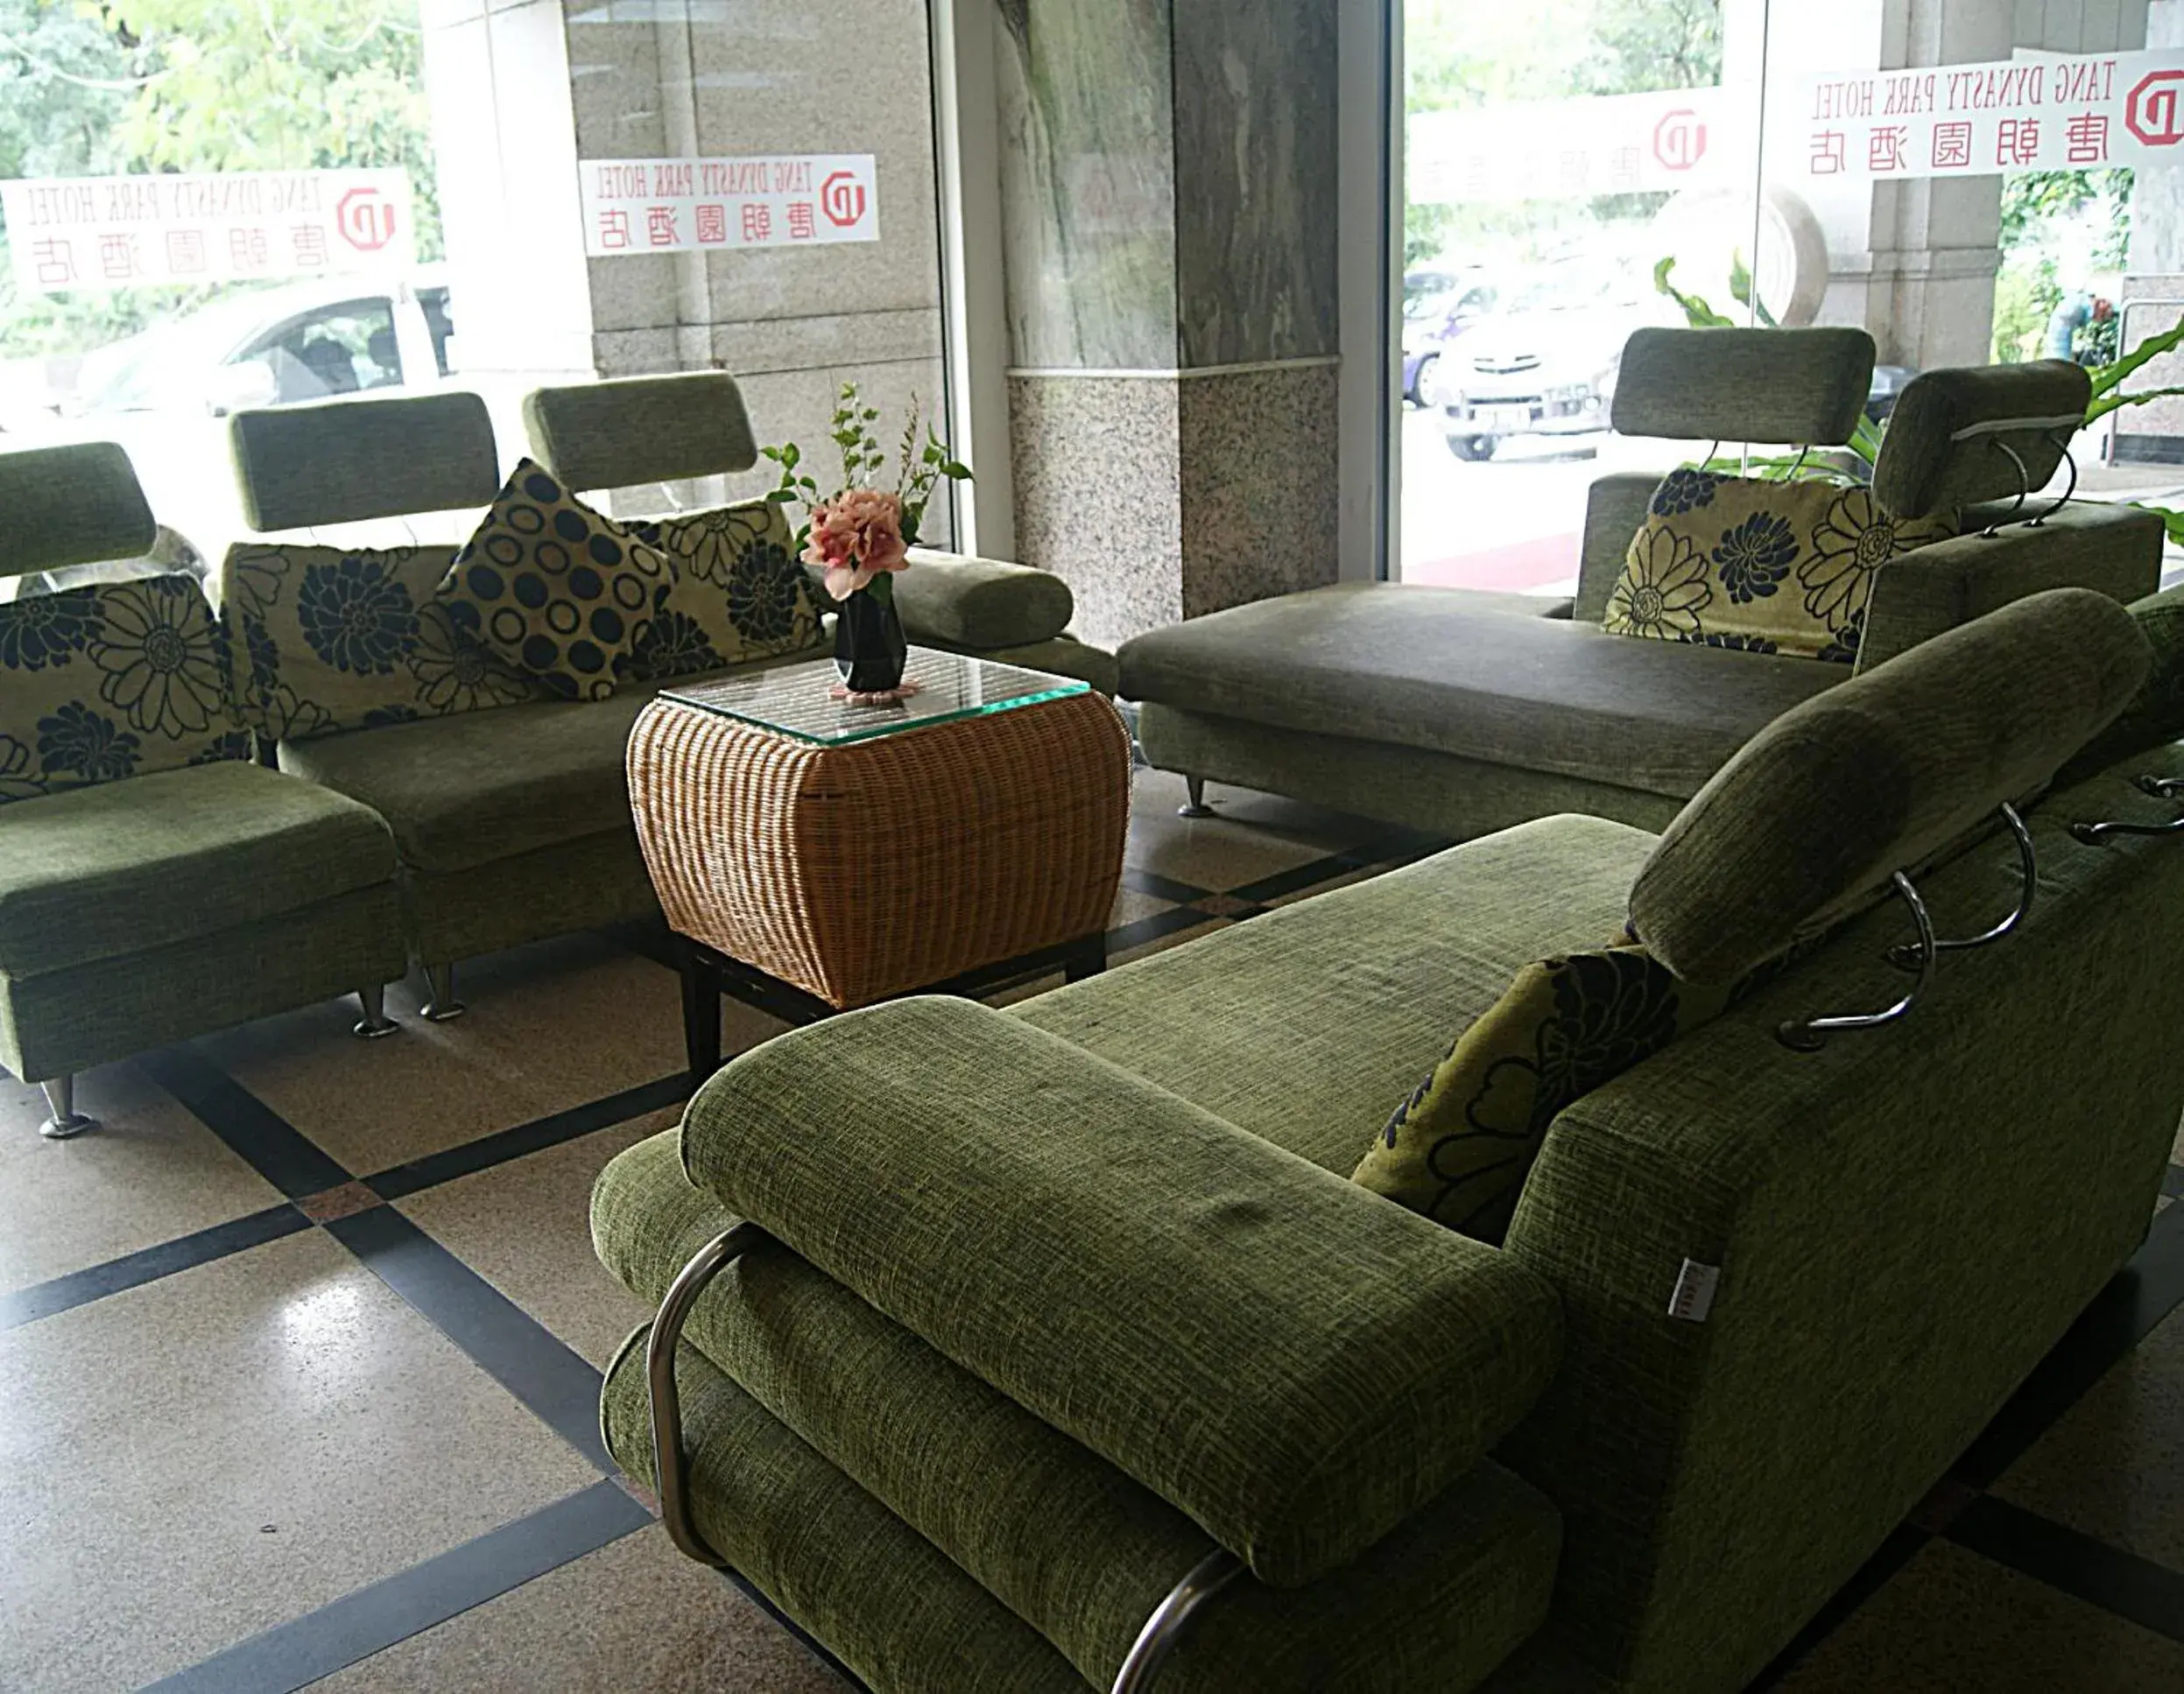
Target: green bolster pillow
x: 980, y: 602
x: 1295, y: 1363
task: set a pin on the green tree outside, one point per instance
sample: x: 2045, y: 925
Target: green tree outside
x: 96, y: 89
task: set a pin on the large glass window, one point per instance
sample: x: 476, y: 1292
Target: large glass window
x: 211, y: 207
x: 1970, y: 182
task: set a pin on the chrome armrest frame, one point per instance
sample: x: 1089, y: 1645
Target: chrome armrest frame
x: 670, y: 1461
x: 2161, y: 788
x: 1809, y: 1035
x: 1906, y: 955
x: 1165, y: 1628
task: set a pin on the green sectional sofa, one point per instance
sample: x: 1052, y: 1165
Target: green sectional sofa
x: 154, y: 883
x: 1459, y: 713
x: 1054, y: 1350
x: 510, y: 812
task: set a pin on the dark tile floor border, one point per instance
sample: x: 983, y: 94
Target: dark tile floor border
x: 353, y: 1628
x: 2121, y: 1583
x: 81, y: 1288
x: 487, y: 1151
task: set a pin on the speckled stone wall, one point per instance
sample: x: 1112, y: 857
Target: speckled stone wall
x: 1260, y: 499
x: 1162, y: 498
x: 1168, y: 185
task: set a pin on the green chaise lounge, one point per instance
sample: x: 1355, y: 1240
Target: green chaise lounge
x: 155, y: 884
x: 1459, y: 713
x: 1052, y: 1349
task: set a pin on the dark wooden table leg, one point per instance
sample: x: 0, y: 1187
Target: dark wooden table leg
x: 1086, y: 960
x: 701, y: 1011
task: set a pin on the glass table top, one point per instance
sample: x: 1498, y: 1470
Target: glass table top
x: 795, y: 700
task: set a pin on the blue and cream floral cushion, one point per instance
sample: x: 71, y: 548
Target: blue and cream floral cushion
x: 113, y: 681
x: 1764, y: 566
x: 739, y: 593
x: 554, y: 589
x: 1459, y: 1149
x: 326, y: 639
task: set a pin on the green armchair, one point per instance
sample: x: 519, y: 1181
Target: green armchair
x: 155, y: 884
x: 1053, y: 1349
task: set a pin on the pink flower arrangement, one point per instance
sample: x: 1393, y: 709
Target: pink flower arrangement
x: 855, y: 537
x: 861, y: 535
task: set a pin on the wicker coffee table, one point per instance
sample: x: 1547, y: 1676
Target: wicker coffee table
x: 816, y: 856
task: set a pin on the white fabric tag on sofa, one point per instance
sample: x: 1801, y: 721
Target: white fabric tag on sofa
x: 1693, y: 1298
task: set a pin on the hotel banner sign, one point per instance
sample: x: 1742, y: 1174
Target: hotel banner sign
x: 69, y: 233
x: 2039, y: 113
x: 699, y: 205
x: 1571, y: 149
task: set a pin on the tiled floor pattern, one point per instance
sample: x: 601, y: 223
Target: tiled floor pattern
x: 299, y: 1358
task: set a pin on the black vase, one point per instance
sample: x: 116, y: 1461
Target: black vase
x: 870, y: 649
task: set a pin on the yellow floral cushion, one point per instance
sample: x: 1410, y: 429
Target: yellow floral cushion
x: 555, y: 589
x: 112, y: 680
x: 1459, y: 1149
x: 1762, y: 565
x: 738, y: 593
x: 327, y: 639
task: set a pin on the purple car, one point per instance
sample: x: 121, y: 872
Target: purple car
x: 1439, y: 306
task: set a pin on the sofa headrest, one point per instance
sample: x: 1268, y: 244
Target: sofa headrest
x: 641, y: 429
x: 2155, y: 716
x: 77, y: 505
x: 348, y: 460
x: 1804, y: 386
x: 1949, y: 440
x: 1880, y: 774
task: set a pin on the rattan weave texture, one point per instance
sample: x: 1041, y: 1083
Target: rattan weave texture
x: 862, y: 872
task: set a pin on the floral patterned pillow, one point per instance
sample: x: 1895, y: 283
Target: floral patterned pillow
x: 113, y: 681
x: 739, y: 593
x: 328, y: 639
x: 1761, y: 565
x: 1459, y: 1149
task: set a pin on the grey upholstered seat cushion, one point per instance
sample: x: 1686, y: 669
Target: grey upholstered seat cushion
x: 125, y: 868
x: 1430, y: 668
x: 1264, y: 1025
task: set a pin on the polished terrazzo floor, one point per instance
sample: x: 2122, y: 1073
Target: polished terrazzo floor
x: 299, y: 1355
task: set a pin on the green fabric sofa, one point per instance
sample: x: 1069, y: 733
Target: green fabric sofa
x: 1029, y: 1317
x: 1460, y: 713
x: 511, y: 814
x: 154, y: 884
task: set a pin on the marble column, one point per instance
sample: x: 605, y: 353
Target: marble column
x: 1168, y: 185
x: 524, y: 90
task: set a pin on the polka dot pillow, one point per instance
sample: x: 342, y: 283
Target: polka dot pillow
x: 554, y: 588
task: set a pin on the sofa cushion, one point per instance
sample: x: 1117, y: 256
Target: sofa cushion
x: 353, y: 460
x: 1806, y: 386
x: 1427, y: 668
x: 119, y: 679
x: 1294, y: 1363
x: 739, y: 593
x: 1259, y: 1024
x: 112, y: 871
x: 977, y: 603
x: 1760, y: 564
x: 1881, y: 775
x: 464, y: 791
x: 1458, y: 1150
x: 1960, y: 436
x: 560, y: 592
x: 1060, y: 1537
x: 328, y: 639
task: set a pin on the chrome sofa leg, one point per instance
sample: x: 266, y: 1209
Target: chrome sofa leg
x: 1165, y: 1628
x: 66, y: 1123
x: 670, y: 1463
x: 375, y: 1024
x: 440, y: 1004
x: 1197, y: 808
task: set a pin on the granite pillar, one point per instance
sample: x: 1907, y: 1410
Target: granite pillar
x: 1168, y: 187
x: 522, y: 91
